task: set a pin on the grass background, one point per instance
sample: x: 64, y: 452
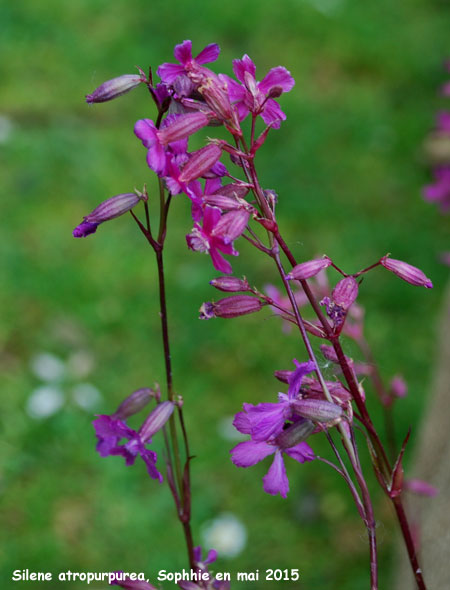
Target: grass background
x: 348, y: 166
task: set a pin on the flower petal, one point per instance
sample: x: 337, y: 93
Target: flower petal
x: 146, y: 131
x: 208, y: 54
x: 242, y: 423
x: 301, y: 452
x: 272, y: 114
x: 156, y: 158
x: 276, y: 481
x: 267, y: 420
x: 236, y: 92
x: 296, y: 377
x: 183, y: 52
x: 248, y: 453
x: 170, y: 72
x: 277, y: 77
x: 240, y: 66
x: 149, y: 458
x: 219, y: 262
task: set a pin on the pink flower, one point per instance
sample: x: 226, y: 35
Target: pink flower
x: 168, y: 72
x: 206, y: 239
x: 257, y: 97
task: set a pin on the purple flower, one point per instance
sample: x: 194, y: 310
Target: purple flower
x: 204, y: 239
x: 267, y: 420
x: 168, y: 72
x: 257, y: 97
x: 110, y: 430
x: 197, y: 195
x: 171, y: 138
x: 250, y: 452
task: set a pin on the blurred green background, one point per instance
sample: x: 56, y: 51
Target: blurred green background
x: 348, y: 166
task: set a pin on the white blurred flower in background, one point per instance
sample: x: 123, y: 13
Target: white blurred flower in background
x: 45, y: 401
x: 226, y: 534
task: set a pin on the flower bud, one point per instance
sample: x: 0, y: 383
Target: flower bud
x: 182, y: 127
x: 200, y: 162
x: 407, y: 272
x: 230, y: 284
x: 134, y: 403
x: 338, y: 392
x: 317, y: 410
x: 231, y: 225
x: 113, y: 207
x: 283, y: 376
x: 308, y: 269
x: 329, y: 353
x: 223, y: 202
x: 114, y: 88
x: 234, y: 189
x: 156, y: 420
x: 345, y: 292
x: 295, y: 434
x: 230, y: 307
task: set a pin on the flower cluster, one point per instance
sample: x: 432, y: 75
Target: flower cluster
x: 193, y: 97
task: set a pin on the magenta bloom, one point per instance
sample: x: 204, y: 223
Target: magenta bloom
x: 266, y: 420
x: 110, y: 431
x: 205, y: 239
x: 250, y: 452
x: 183, y: 53
x: 258, y: 97
x: 170, y: 139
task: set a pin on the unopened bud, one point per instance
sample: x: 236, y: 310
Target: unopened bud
x: 345, y: 292
x: 317, y: 410
x: 230, y: 307
x: 295, y: 434
x: 114, y: 88
x: 134, y: 403
x: 113, y: 207
x: 308, y: 269
x: 231, y: 225
x: 329, y: 353
x: 109, y: 209
x: 283, y: 376
x: 200, y: 162
x: 223, y: 202
x: 234, y: 189
x: 182, y: 127
x: 156, y: 420
x: 230, y: 284
x: 407, y: 272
